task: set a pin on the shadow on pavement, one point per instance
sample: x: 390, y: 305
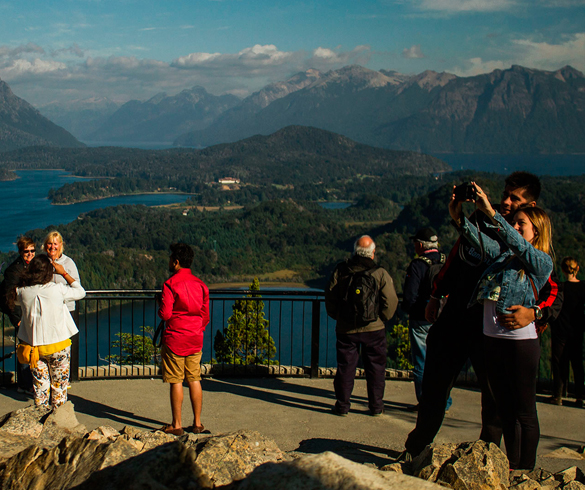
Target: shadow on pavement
x: 359, y: 453
x: 100, y: 410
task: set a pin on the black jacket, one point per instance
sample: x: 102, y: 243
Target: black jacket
x: 11, y: 277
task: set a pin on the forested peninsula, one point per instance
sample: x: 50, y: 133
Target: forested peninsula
x: 295, y: 162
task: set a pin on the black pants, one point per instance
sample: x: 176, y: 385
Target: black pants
x: 456, y: 336
x: 374, y: 352
x: 512, y: 367
x: 565, y: 351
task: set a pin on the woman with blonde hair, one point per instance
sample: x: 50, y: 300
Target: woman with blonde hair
x: 54, y: 246
x: 567, y: 336
x: 518, y: 266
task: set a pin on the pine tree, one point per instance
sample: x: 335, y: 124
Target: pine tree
x: 247, y: 339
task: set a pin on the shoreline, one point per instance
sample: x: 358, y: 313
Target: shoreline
x: 121, y: 195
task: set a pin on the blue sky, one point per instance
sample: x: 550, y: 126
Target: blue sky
x: 65, y: 50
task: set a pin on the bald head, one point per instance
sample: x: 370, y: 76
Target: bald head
x: 364, y: 246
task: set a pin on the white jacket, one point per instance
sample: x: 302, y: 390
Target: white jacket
x: 71, y: 269
x: 45, y: 317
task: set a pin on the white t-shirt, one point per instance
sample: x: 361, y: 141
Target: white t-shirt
x: 492, y: 328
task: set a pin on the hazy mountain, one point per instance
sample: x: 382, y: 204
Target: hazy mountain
x: 352, y: 101
x: 519, y: 110
x: 507, y: 111
x: 231, y: 125
x: 22, y: 125
x: 80, y: 117
x: 162, y: 118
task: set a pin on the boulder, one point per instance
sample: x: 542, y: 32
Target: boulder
x: 231, y: 457
x: 570, y: 474
x: 328, y: 471
x: 564, y: 453
x: 465, y: 466
x: 37, y: 426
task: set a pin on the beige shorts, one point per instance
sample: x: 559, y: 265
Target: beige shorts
x: 175, y: 368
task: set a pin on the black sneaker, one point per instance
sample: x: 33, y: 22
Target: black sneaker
x: 338, y: 412
x: 376, y: 414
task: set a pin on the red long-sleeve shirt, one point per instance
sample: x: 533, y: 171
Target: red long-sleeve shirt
x: 185, y: 309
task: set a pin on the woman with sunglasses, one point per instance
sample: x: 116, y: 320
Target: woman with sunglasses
x: 26, y: 252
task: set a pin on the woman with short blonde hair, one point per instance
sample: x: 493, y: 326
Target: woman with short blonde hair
x: 54, y: 246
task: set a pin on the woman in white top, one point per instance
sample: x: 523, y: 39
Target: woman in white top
x: 54, y: 247
x: 47, y: 326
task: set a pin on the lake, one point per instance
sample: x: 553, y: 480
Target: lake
x: 25, y: 205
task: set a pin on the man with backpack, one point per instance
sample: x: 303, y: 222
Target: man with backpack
x: 416, y: 293
x: 361, y: 297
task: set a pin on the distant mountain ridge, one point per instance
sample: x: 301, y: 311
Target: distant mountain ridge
x: 22, y: 125
x: 162, y: 118
x: 519, y: 110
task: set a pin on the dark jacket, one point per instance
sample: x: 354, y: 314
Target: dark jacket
x: 11, y: 277
x: 416, y: 291
x: 388, y: 300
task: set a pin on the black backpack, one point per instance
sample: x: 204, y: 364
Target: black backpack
x: 359, y: 295
x: 427, y: 282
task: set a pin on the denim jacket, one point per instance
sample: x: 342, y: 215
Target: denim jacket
x: 506, y: 260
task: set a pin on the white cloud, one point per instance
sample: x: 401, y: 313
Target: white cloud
x: 414, y: 52
x: 8, y: 52
x: 548, y: 56
x: 532, y: 54
x: 455, y: 6
x: 477, y: 66
x: 24, y: 68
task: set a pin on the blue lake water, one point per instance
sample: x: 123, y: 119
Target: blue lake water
x: 25, y: 205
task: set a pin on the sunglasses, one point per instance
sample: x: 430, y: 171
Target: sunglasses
x: 27, y: 252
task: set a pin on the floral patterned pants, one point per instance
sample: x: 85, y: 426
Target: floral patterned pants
x: 51, y: 378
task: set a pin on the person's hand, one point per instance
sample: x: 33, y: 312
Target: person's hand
x: 59, y: 269
x: 432, y: 310
x: 519, y: 318
x: 482, y: 202
x: 455, y: 208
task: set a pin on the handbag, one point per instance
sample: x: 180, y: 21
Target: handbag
x: 27, y: 354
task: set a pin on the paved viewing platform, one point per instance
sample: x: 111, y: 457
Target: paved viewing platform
x: 296, y: 413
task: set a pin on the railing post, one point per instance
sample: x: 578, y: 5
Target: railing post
x: 315, y: 335
x: 74, y: 363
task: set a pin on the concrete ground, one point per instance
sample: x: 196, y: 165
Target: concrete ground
x: 296, y: 413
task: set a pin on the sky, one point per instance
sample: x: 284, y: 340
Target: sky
x: 60, y: 51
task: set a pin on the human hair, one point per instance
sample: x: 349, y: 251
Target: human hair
x: 428, y: 245
x: 569, y: 266
x: 183, y: 253
x: 542, y: 229
x: 51, y: 236
x: 527, y: 182
x: 39, y: 271
x: 367, y: 252
x: 24, y: 242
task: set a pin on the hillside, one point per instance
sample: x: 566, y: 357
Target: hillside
x: 21, y: 125
x: 300, y: 159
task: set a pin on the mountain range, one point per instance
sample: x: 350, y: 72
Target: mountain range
x: 519, y: 110
x: 22, y: 125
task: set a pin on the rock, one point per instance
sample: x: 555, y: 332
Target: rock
x: 549, y: 483
x: 231, y: 457
x: 103, y: 434
x: 528, y: 484
x: 570, y: 474
x: 327, y: 471
x: 39, y: 426
x: 574, y: 485
x: 564, y: 453
x: 469, y: 465
x: 395, y: 468
x: 429, y: 463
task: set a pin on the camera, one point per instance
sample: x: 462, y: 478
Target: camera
x: 465, y: 192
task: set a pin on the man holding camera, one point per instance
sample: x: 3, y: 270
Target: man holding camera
x: 457, y: 334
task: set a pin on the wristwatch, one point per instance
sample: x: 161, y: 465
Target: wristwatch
x: 537, y: 312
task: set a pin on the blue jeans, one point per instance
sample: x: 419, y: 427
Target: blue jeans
x: 418, y: 331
